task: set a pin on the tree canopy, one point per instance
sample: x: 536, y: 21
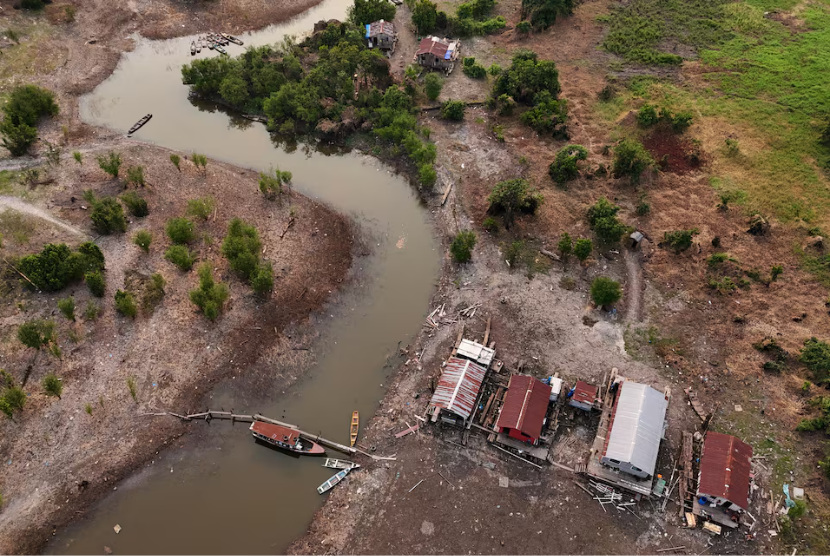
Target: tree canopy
x: 526, y: 77
x: 363, y: 12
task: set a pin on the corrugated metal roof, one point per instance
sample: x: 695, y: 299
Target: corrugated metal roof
x: 525, y: 405
x: 477, y: 352
x: 637, y: 426
x: 433, y: 45
x: 585, y: 393
x: 725, y: 468
x: 555, y: 385
x: 380, y: 27
x: 458, y: 387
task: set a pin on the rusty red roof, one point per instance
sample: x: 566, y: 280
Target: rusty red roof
x: 381, y: 27
x: 585, y: 393
x: 276, y: 432
x: 433, y: 45
x: 525, y: 405
x: 458, y: 387
x: 725, y: 468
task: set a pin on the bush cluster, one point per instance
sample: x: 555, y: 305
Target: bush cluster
x: 631, y: 159
x: 180, y: 256
x: 25, y: 106
x: 565, y: 167
x: 680, y: 240
x: 210, y: 296
x: 242, y: 247
x: 270, y: 184
x: 462, y: 246
x: 602, y: 217
x: 136, y: 204
x: 473, y: 69
x: 180, y: 230
x: 56, y: 265
x: 453, y: 110
x: 513, y: 196
x: 541, y: 14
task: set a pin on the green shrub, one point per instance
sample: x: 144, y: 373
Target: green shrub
x: 67, y: 307
x: 200, y: 161
x: 775, y: 272
x: 494, y: 70
x: 154, y: 291
x: 680, y: 240
x: 201, y: 208
x: 547, y: 116
x: 505, y: 105
x: 36, y: 333
x: 433, y: 85
x: 95, y: 282
x: 79, y: 158
x: 26, y: 104
x: 647, y: 116
x: 131, y: 386
x: 543, y: 13
x: 32, y: 4
x: 125, y: 304
x: 91, y: 311
x: 605, y: 291
x: 643, y: 208
x: 271, y: 185
x: 491, y: 225
x: 135, y: 176
x: 679, y: 122
x: 523, y: 27
x: 143, y: 239
x: 513, y: 253
x: 565, y: 166
x: 631, y: 159
x: 13, y: 399
x: 210, y: 296
x: 715, y: 259
x: 52, y: 385
x: 453, y: 110
x: 242, y: 247
x: 180, y: 256
x: 527, y: 77
x: 462, y: 246
x: 262, y: 280
x: 473, y: 69
x: 816, y: 356
x: 107, y: 214
x: 583, y: 249
x: 111, y: 163
x: 723, y: 286
x: 427, y: 175
x: 512, y: 196
x: 135, y: 204
x: 602, y: 218
x: 176, y: 160
x: 180, y: 230
x: 565, y: 245
x: 56, y: 265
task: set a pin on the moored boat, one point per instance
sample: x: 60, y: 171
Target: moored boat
x: 218, y: 48
x: 193, y: 48
x: 232, y: 39
x: 285, y: 438
x: 139, y: 124
x: 340, y: 464
x: 328, y: 485
x: 354, y: 429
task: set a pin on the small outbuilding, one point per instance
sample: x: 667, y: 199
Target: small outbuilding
x: 458, y: 388
x: 381, y: 35
x: 474, y: 351
x: 583, y: 396
x: 435, y: 53
x: 555, y: 387
x: 635, y: 429
x: 525, y: 407
x: 725, y: 469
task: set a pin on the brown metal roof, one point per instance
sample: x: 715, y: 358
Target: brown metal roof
x: 725, y: 468
x: 433, y: 45
x: 381, y: 27
x: 585, y: 393
x: 459, y: 385
x: 275, y: 432
x: 525, y: 405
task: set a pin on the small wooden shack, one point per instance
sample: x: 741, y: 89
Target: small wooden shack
x: 435, y: 53
x: 382, y: 35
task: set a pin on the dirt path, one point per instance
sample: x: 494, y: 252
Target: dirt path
x: 635, y: 286
x: 14, y: 203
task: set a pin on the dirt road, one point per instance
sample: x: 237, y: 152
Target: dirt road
x: 13, y: 203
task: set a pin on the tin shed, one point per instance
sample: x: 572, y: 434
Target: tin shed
x: 725, y: 467
x: 458, y: 388
x: 524, y: 409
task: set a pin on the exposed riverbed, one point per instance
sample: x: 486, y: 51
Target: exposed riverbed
x: 224, y: 493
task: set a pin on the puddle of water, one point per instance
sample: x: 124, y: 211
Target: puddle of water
x: 227, y: 494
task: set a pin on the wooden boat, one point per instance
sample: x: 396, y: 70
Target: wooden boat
x: 233, y: 39
x: 193, y: 48
x: 139, y: 124
x: 198, y: 46
x: 355, y: 426
x: 340, y: 464
x: 285, y: 439
x: 218, y: 48
x: 328, y: 485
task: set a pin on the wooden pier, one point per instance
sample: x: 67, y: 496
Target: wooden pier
x: 233, y: 417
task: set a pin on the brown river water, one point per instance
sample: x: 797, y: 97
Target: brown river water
x: 223, y: 493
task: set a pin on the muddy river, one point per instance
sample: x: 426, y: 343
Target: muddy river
x: 224, y: 493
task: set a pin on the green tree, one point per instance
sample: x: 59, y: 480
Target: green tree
x: 210, y: 296
x: 602, y: 218
x: 234, y: 90
x: 363, y: 12
x: 565, y: 245
x: 242, y: 247
x: 180, y: 230
x: 176, y: 160
x: 527, y: 77
x: 543, y: 13
x: 25, y: 105
x: 95, y: 282
x: 453, y: 110
x: 67, y: 307
x: 262, y: 280
x: 816, y: 356
x: 512, y: 196
x: 680, y: 240
x: 424, y: 16
x: 17, y: 138
x: 631, y: 159
x: 135, y: 176
x: 605, y: 291
x: 52, y: 385
x: 524, y: 27
x: 136, y: 204
x: 180, y: 256
x: 583, y: 249
x: 427, y: 175
x: 125, y: 304
x: 108, y: 216
x: 432, y: 85
x: 462, y: 246
x: 565, y: 166
x: 111, y: 163
x: 13, y: 399
x: 143, y: 239
x: 36, y: 333
x: 647, y: 115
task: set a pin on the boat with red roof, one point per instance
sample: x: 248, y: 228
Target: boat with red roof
x: 285, y: 438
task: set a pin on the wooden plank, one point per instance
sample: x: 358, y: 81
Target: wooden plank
x: 486, y: 409
x: 458, y: 340
x: 487, y: 332
x: 517, y: 457
x: 446, y: 194
x: 407, y: 431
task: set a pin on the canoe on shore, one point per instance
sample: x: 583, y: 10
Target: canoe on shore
x: 354, y: 429
x: 328, y: 485
x: 340, y: 464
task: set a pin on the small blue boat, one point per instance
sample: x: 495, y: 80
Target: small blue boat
x: 328, y: 485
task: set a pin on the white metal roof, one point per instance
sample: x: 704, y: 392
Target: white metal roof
x: 477, y: 352
x: 638, y: 426
x: 556, y: 385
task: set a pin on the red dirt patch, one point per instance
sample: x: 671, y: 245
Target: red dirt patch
x: 673, y: 152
